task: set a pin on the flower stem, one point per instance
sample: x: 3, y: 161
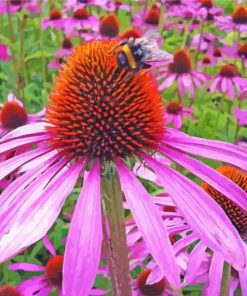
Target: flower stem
x: 116, y: 244
x: 225, y: 282
x: 199, y: 44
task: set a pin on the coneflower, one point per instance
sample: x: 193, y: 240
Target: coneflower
x: 100, y: 119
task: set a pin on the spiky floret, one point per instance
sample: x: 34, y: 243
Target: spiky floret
x: 237, y: 215
x: 99, y: 110
x: 8, y: 290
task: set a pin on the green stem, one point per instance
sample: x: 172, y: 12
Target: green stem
x: 13, y: 57
x: 199, y: 44
x: 117, y: 251
x: 21, y: 25
x: 225, y: 281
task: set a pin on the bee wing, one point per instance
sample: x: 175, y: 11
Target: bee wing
x: 155, y: 54
x: 149, y: 37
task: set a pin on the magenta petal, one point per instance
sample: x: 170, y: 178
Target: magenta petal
x: 26, y: 267
x: 204, y: 215
x: 35, y: 284
x: 48, y: 245
x: 215, y: 275
x: 195, y: 260
x: 209, y: 175
x: 149, y: 223
x: 36, y: 209
x: 213, y: 149
x: 83, y: 247
x: 243, y: 281
x: 15, y: 162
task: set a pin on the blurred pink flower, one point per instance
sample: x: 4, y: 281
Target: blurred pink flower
x: 237, y: 52
x: 16, y: 5
x: 55, y: 20
x: 227, y: 79
x: 147, y: 19
x: 175, y: 113
x: 241, y: 116
x: 4, y: 56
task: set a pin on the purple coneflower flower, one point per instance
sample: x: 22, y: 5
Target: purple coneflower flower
x: 238, y: 20
x: 227, y: 79
x: 207, y: 10
x: 55, y: 20
x: 238, y: 52
x: 147, y: 19
x: 81, y: 19
x: 13, y: 114
x: 109, y: 28
x: 204, y: 42
x: 15, y: 5
x: 4, y: 55
x: 175, y: 113
x: 51, y: 277
x: 207, y: 61
x: 180, y: 70
x: 176, y: 6
x: 98, y: 115
x: 62, y: 54
x: 241, y: 116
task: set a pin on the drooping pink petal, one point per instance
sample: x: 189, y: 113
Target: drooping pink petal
x: 167, y: 82
x: 28, y: 221
x: 26, y: 267
x: 178, y: 122
x: 195, y: 260
x: 212, y: 149
x: 215, y: 275
x: 48, y: 245
x: 209, y: 175
x: 149, y: 223
x: 15, y: 162
x: 214, y: 84
x: 83, y: 247
x: 30, y: 286
x: 204, y: 215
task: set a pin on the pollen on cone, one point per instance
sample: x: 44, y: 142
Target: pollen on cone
x: 13, y: 115
x: 100, y: 110
x: 237, y: 215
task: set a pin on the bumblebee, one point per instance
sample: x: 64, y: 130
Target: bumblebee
x: 140, y: 53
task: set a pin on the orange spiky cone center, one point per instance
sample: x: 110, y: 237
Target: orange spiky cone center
x: 239, y: 16
x: 150, y: 290
x: 237, y: 215
x: 99, y: 110
x: 13, y: 115
x: 181, y: 62
x: 109, y: 26
x: 8, y: 290
x: 53, y: 270
x: 134, y: 33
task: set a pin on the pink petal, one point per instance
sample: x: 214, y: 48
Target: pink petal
x: 27, y: 221
x: 26, y: 267
x: 243, y: 281
x: 212, y: 149
x: 168, y: 81
x: 204, y: 215
x: 215, y: 275
x: 83, y: 248
x: 150, y: 223
x: 30, y: 286
x: 209, y: 175
x: 214, y: 84
x: 48, y: 245
x: 178, y: 122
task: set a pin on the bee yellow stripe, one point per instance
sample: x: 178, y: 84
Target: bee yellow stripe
x: 129, y: 56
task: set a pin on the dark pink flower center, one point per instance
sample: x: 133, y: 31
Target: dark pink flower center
x: 150, y: 290
x: 53, y: 270
x: 9, y: 291
x: 206, y: 3
x: 15, y: 2
x: 228, y: 71
x: 109, y: 26
x: 13, y: 115
x: 153, y: 16
x: 67, y: 44
x: 81, y: 14
x: 242, y: 51
x: 239, y: 15
x: 174, y: 108
x: 55, y: 14
x: 217, y: 53
x: 181, y: 62
x: 206, y: 60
